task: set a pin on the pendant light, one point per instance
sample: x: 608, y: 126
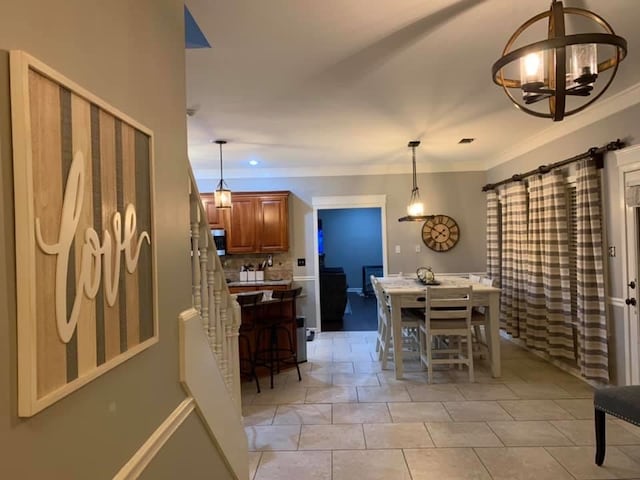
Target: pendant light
x: 559, y: 66
x: 222, y: 195
x: 415, y: 208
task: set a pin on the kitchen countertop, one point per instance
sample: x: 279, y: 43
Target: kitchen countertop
x: 261, y: 283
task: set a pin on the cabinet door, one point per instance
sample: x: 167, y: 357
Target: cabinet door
x: 273, y: 223
x: 215, y: 216
x: 241, y: 227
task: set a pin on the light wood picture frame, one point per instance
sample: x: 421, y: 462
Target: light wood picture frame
x: 85, y: 237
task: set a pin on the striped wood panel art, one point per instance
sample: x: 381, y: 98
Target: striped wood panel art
x: 84, y: 235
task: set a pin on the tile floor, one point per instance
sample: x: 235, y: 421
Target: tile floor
x: 349, y: 420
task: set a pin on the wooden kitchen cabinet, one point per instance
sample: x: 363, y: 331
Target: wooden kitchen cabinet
x: 258, y: 223
x: 217, y: 217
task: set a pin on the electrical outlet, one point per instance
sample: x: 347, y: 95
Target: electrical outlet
x: 302, y: 262
x: 397, y: 248
x: 612, y: 251
x: 417, y: 248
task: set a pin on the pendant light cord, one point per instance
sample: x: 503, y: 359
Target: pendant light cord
x: 221, y: 176
x: 415, y: 185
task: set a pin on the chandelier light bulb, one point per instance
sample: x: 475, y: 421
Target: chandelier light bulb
x: 532, y: 64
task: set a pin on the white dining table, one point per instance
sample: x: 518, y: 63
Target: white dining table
x: 405, y: 292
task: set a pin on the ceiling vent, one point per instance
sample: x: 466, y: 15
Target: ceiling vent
x: 466, y: 140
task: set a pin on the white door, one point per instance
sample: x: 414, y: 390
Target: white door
x: 629, y: 184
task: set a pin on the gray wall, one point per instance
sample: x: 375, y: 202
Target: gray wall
x: 456, y: 194
x: 623, y: 125
x: 132, y: 55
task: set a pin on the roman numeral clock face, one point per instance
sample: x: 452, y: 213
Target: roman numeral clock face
x: 440, y: 233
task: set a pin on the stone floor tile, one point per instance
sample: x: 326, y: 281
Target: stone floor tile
x: 258, y: 414
x: 332, y: 367
x: 312, y: 379
x: 346, y: 355
x: 476, y: 411
x: 331, y: 395
x: 254, y: 460
x: 355, y: 379
x: 579, y: 462
x: 535, y: 410
x: 580, y: 409
x: 522, y: 463
x: 361, y: 413
x: 487, y: 391
x: 385, y: 393
x: 309, y: 414
x: 280, y: 395
x: 402, y: 412
x: 445, y: 463
x: 396, y: 435
x: 581, y: 432
x: 528, y: 434
x: 367, y: 367
x: 331, y: 437
x: 294, y: 465
x: 538, y: 391
x: 370, y: 465
x: 273, y: 437
x: 434, y: 393
x: 462, y: 434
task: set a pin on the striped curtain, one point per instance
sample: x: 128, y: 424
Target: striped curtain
x: 548, y: 318
x: 493, y: 238
x: 513, y: 199
x: 592, y: 324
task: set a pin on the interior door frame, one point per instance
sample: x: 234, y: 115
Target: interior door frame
x: 628, y: 162
x: 345, y: 201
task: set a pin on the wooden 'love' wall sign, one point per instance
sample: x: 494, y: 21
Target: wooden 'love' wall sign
x: 85, y: 249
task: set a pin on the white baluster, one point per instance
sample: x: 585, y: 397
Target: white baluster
x: 204, y: 295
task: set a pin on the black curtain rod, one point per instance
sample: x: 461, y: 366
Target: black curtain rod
x: 594, y: 152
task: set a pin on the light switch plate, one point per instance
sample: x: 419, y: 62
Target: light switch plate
x: 397, y: 248
x: 417, y: 248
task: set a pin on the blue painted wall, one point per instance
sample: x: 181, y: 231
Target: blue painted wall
x: 352, y: 238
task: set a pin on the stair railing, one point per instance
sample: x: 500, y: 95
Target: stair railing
x: 218, y: 310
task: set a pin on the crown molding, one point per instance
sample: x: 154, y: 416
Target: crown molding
x: 336, y: 171
x: 599, y: 111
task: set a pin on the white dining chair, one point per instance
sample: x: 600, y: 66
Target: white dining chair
x: 384, y: 340
x: 478, y: 323
x: 447, y: 314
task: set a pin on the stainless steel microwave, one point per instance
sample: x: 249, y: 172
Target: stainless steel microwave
x: 220, y: 240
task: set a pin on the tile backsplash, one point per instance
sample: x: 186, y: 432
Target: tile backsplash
x: 282, y: 268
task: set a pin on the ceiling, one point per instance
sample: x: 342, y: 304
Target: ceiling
x: 332, y: 87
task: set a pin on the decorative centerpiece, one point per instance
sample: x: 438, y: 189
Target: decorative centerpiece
x: 426, y: 276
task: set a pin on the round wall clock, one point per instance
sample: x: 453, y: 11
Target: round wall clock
x: 440, y: 233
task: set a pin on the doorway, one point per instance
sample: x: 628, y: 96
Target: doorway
x: 629, y: 190
x: 349, y: 245
x: 325, y: 206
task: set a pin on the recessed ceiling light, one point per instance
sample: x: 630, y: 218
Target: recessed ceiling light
x: 253, y: 163
x: 466, y: 140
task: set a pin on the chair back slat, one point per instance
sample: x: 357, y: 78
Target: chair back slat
x: 448, y: 303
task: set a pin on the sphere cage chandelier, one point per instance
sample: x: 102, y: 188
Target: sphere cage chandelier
x: 222, y: 195
x: 415, y: 208
x: 543, y: 64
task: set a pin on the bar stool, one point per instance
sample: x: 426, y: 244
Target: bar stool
x: 250, y: 305
x: 274, y: 340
